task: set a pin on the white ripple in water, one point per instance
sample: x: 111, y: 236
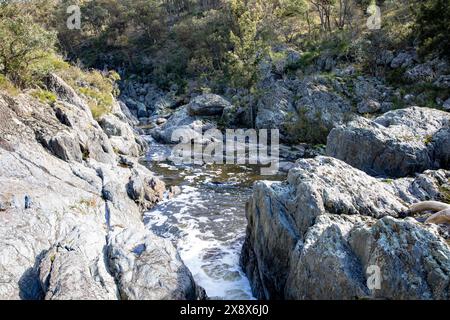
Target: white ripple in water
x: 208, y: 226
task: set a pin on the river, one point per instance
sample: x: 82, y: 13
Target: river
x: 206, y: 222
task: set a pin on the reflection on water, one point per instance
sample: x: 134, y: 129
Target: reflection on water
x: 207, y: 220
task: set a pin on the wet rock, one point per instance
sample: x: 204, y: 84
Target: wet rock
x: 161, y: 121
x: 396, y: 144
x: 174, y: 191
x: 145, y: 191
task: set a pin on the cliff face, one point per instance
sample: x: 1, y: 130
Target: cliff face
x: 323, y: 232
x: 71, y: 200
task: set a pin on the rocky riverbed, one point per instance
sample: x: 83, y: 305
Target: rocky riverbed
x: 94, y: 209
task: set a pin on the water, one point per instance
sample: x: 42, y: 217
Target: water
x: 206, y: 222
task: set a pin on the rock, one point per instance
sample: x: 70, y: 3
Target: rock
x: 111, y: 125
x: 145, y: 191
x: 174, y: 191
x: 443, y: 82
x: 141, y: 110
x: 404, y: 59
x: 64, y: 91
x: 123, y: 139
x: 446, y: 105
x: 317, y: 236
x: 320, y: 104
x: 161, y: 121
x: 286, y: 104
x: 396, y: 144
x: 207, y: 105
x: 369, y: 106
x: 189, y: 127
x: 441, y: 144
x: 385, y: 58
x: 274, y: 107
x: 368, y: 89
x: 74, y: 269
x: 146, y: 267
x: 57, y: 212
x: 65, y: 147
x: 422, y: 72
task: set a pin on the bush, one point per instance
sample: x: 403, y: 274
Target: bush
x: 23, y: 43
x: 433, y: 27
x: 8, y: 86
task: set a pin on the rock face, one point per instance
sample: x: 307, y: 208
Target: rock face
x: 207, y: 105
x: 313, y: 99
x: 320, y: 235
x: 397, y: 144
x: 148, y: 268
x: 64, y: 204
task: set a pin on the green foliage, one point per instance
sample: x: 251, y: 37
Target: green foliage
x: 247, y: 48
x: 23, y: 43
x: 433, y: 27
x: 44, y: 96
x: 98, y: 89
x: 8, y: 86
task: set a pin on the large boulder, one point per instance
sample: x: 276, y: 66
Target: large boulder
x: 181, y: 124
x: 323, y: 232
x: 148, y: 268
x: 207, y: 105
x: 397, y: 144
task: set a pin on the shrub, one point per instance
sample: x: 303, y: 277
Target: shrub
x: 8, y: 86
x: 433, y: 27
x: 23, y: 43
